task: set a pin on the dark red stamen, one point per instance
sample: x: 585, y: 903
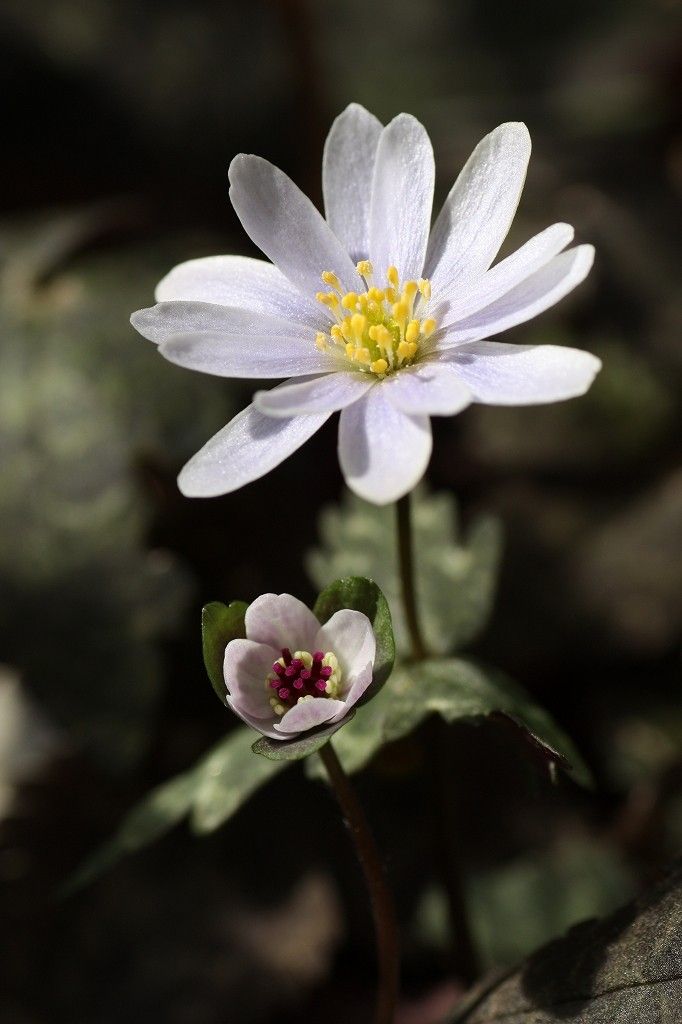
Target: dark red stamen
x: 298, y: 680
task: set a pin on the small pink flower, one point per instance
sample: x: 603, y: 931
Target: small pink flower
x: 292, y: 674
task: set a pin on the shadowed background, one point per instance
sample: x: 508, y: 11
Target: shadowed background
x: 119, y: 123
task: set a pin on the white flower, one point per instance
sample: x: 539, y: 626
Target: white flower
x: 291, y: 674
x: 397, y: 333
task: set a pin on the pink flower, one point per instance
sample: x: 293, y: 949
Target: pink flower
x: 291, y: 673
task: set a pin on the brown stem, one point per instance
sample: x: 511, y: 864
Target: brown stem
x: 388, y: 951
x: 406, y: 564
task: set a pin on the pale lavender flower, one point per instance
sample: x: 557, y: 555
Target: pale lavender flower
x: 399, y: 331
x: 291, y: 673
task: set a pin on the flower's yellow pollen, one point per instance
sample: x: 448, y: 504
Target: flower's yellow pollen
x: 412, y: 331
x: 382, y: 328
x: 332, y: 280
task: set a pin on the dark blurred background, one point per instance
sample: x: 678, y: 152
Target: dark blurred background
x: 119, y: 124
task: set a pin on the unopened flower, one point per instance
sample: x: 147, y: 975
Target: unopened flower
x: 376, y: 315
x: 291, y: 673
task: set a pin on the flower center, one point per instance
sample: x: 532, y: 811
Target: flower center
x: 302, y: 676
x: 378, y: 330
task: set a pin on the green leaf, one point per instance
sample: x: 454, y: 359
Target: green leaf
x: 455, y: 578
x: 220, y: 623
x: 458, y: 690
x: 302, y: 746
x: 363, y: 595
x: 624, y: 968
x: 209, y: 793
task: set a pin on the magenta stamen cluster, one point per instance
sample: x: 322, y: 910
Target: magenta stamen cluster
x: 294, y: 680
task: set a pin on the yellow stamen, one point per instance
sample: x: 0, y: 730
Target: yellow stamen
x: 350, y: 300
x: 321, y: 341
x: 425, y: 288
x: 404, y: 350
x: 378, y: 366
x: 364, y: 268
x: 392, y: 275
x: 412, y: 331
x: 357, y: 325
x: 428, y: 327
x: 331, y: 279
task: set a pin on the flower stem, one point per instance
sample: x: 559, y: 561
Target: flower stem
x: 406, y: 563
x: 388, y: 951
x: 445, y: 827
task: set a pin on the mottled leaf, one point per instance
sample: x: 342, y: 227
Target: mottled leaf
x: 220, y: 623
x: 455, y: 579
x: 626, y: 969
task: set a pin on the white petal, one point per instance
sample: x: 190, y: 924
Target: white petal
x: 478, y: 211
x: 247, y: 448
x: 402, y: 198
x: 501, y: 374
x: 247, y: 665
x: 329, y: 393
x: 427, y: 389
x: 533, y: 296
x: 281, y: 620
x: 230, y: 342
x: 358, y: 684
x: 383, y: 452
x: 347, y: 171
x: 475, y: 294
x: 283, y: 222
x: 239, y: 281
x: 348, y: 633
x: 266, y: 726
x: 308, y: 714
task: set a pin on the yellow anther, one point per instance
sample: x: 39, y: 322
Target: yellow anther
x: 357, y: 325
x: 362, y: 355
x: 425, y: 288
x: 412, y: 331
x: 336, y: 333
x: 374, y: 332
x: 350, y: 350
x: 331, y: 279
x: 321, y: 341
x: 364, y: 267
x: 404, y: 350
x: 390, y: 294
x: 375, y: 294
x: 401, y: 312
x: 412, y: 346
x: 379, y: 366
x: 350, y: 300
x: 428, y: 327
x: 345, y: 328
x: 321, y: 297
x: 410, y: 289
x: 392, y: 276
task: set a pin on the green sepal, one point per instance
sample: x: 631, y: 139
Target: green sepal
x: 220, y: 623
x: 363, y: 595
x: 302, y: 746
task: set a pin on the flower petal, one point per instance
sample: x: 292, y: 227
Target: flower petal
x: 505, y: 275
x: 281, y: 620
x: 358, y: 684
x: 402, y: 198
x: 285, y: 225
x: 308, y: 714
x: 478, y: 211
x: 500, y: 374
x: 348, y: 633
x: 265, y: 726
x: 530, y: 298
x: 347, y: 171
x: 247, y: 448
x: 329, y: 393
x: 239, y: 281
x: 427, y: 389
x: 246, y: 666
x: 383, y: 452
x: 229, y: 342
